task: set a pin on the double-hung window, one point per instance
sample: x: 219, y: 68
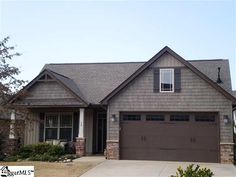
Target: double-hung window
x: 59, y: 126
x: 167, y: 80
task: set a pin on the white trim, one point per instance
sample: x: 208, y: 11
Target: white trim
x: 224, y: 143
x: 81, y: 123
x: 12, y: 125
x: 172, y: 79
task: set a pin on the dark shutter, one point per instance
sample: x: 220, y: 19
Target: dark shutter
x: 177, y: 79
x: 41, y: 127
x: 156, y: 78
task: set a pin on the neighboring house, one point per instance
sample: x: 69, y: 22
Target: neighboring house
x: 167, y: 108
x: 234, y: 116
x: 10, y: 140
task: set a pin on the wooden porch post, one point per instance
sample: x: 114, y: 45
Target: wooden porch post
x: 12, y: 143
x: 80, y: 140
x: 81, y: 123
x: 12, y: 125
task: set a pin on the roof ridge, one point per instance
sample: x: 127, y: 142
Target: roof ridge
x: 207, y: 60
x: 96, y: 63
x: 191, y: 60
x: 58, y: 73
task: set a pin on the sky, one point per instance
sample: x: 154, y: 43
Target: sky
x: 116, y: 31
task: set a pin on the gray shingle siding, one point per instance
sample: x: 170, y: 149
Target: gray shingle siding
x: 48, y: 93
x: 196, y: 96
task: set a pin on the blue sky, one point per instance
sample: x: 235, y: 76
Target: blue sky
x: 116, y: 31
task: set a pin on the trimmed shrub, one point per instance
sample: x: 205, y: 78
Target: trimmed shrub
x: 56, y: 150
x: 10, y: 159
x: 41, y: 152
x: 26, y: 151
x: 192, y: 171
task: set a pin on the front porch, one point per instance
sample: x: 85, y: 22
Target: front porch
x: 85, y: 128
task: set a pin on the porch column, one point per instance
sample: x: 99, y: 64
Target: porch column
x: 12, y: 144
x: 12, y: 125
x: 80, y: 140
x: 81, y: 123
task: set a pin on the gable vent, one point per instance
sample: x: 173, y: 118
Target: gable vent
x: 219, y: 81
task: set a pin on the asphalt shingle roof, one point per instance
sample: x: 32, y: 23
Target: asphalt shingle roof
x: 97, y: 80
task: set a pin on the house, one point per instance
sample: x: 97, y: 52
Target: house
x: 167, y: 108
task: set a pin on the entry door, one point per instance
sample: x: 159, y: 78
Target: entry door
x: 101, y: 132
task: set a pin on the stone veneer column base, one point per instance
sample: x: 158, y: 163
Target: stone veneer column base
x: 112, y: 150
x: 227, y: 152
x: 11, y: 146
x: 80, y: 146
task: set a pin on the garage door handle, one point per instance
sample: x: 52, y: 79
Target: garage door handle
x: 192, y: 140
x: 141, y: 138
x: 144, y: 138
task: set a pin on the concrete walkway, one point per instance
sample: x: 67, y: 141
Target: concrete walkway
x: 96, y: 159
x: 128, y: 168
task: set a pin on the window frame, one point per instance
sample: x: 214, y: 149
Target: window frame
x: 138, y: 117
x: 173, y: 79
x: 59, y: 124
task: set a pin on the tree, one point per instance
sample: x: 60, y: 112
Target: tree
x: 9, y: 83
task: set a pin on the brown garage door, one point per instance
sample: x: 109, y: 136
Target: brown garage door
x: 170, y: 136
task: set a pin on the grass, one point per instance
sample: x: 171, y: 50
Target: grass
x: 52, y: 169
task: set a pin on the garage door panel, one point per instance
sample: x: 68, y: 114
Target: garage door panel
x: 206, y: 142
x: 176, y: 140
x: 167, y: 141
x: 132, y: 141
x: 133, y: 153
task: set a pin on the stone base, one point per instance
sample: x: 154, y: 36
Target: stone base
x: 112, y: 150
x: 11, y: 146
x: 80, y: 146
x: 227, y: 153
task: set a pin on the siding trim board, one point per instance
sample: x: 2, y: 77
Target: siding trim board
x: 180, y: 59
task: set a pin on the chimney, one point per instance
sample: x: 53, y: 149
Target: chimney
x: 219, y: 81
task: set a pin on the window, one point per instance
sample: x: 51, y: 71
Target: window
x: 179, y: 118
x: 155, y: 118
x: 167, y: 80
x: 131, y: 117
x: 204, y: 118
x: 58, y: 126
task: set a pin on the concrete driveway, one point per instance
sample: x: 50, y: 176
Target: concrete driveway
x: 130, y: 168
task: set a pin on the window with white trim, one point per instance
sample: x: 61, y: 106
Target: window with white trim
x: 58, y: 126
x: 166, y: 80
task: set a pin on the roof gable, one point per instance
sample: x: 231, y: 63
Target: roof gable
x: 47, y: 75
x: 155, y: 58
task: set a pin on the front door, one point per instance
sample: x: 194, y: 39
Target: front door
x: 101, y: 127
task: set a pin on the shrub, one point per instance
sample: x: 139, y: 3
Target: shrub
x: 56, y: 150
x: 2, y: 155
x: 26, y: 151
x: 41, y: 152
x: 192, y: 171
x: 10, y: 158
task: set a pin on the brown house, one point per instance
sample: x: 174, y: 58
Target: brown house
x: 167, y: 108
